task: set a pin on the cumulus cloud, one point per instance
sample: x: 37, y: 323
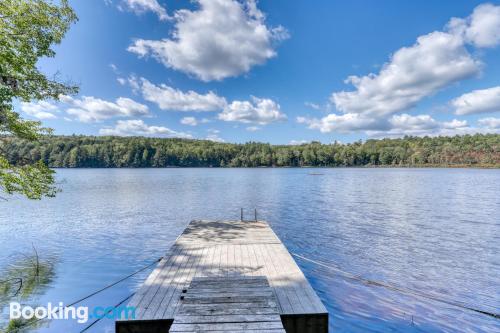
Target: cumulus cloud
x: 312, y: 105
x: 41, y: 109
x: 138, y: 127
x: 261, y: 111
x: 190, y: 121
x: 142, y: 6
x: 298, y: 142
x: 396, y: 125
x: 434, y: 62
x: 405, y: 124
x: 168, y: 98
x: 85, y: 109
x: 220, y: 39
x: 455, y: 123
x: 90, y: 109
x: 346, y: 123
x: 482, y: 28
x: 425, y: 125
x: 213, y: 135
x: 491, y: 123
x: 413, y: 123
x: 478, y: 101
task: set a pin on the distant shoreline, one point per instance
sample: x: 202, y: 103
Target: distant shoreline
x: 304, y: 167
x: 467, y: 151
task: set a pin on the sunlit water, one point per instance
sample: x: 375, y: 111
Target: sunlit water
x: 433, y: 230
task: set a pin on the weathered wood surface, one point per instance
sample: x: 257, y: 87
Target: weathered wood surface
x: 228, y: 304
x: 225, y: 249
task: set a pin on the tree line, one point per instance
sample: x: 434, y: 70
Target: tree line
x: 139, y: 152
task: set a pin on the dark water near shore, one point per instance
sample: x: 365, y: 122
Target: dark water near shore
x: 434, y: 230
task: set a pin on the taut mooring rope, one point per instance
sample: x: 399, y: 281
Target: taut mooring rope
x: 31, y: 323
x: 107, y: 312
x: 398, y: 289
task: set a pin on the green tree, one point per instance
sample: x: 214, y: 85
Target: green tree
x: 28, y: 30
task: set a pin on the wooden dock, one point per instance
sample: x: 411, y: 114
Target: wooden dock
x: 226, y: 276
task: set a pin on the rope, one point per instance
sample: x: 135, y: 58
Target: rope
x: 107, y: 312
x: 31, y: 323
x: 114, y: 283
x: 399, y: 289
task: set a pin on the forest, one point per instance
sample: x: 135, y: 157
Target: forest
x: 480, y: 150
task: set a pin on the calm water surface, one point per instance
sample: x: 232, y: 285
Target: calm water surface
x: 434, y: 230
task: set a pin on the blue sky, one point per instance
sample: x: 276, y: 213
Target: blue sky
x: 278, y: 71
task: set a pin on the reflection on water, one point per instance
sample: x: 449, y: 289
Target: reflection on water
x: 26, y: 277
x: 435, y: 230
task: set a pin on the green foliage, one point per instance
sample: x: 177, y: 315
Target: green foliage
x: 15, y: 325
x: 24, y: 281
x: 137, y: 152
x: 28, y: 30
x: 26, y: 278
x: 33, y: 181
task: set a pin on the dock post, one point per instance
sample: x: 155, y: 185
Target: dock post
x: 241, y: 214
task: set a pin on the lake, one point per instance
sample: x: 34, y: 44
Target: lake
x: 432, y: 230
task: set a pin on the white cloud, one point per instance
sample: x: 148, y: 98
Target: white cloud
x: 464, y: 131
x: 455, y: 123
x: 405, y: 124
x: 168, y: 98
x: 397, y: 125
x: 190, y: 121
x: 491, y: 123
x: 213, y: 135
x: 349, y: 122
x: 482, y: 28
x: 409, y: 123
x: 261, y: 111
x: 222, y: 38
x: 214, y: 138
x: 425, y: 125
x: 142, y: 6
x: 478, y: 101
x: 40, y: 109
x: 253, y: 128
x: 398, y: 133
x: 297, y: 142
x: 312, y: 105
x: 90, y: 109
x: 434, y: 62
x: 138, y: 127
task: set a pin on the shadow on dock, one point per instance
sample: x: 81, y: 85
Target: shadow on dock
x: 226, y: 249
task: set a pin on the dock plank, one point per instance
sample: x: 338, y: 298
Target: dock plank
x: 250, y: 299
x: 208, y: 250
